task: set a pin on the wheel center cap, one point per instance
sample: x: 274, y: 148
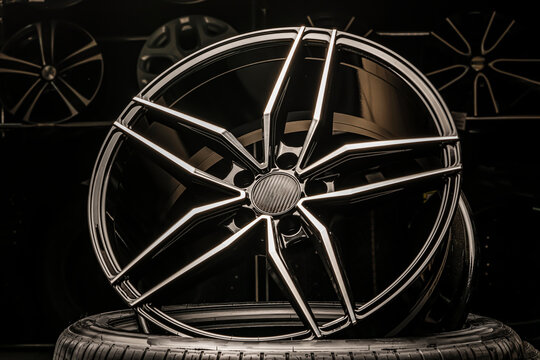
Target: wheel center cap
x: 48, y: 72
x: 276, y: 194
x: 478, y: 63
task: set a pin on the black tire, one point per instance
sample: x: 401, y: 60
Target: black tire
x: 114, y: 335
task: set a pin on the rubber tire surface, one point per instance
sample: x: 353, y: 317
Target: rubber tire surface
x: 113, y: 335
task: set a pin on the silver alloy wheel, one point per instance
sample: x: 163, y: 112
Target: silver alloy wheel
x: 277, y: 182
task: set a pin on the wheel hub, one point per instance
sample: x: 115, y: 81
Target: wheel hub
x: 275, y: 194
x: 48, y: 73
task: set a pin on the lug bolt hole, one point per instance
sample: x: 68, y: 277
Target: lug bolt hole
x: 289, y: 225
x: 315, y: 187
x: 243, y: 217
x: 243, y: 179
x: 286, y: 161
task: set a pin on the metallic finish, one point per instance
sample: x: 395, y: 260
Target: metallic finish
x: 276, y: 193
x: 179, y: 163
x: 269, y: 126
x: 351, y: 151
x: 298, y: 301
x: 179, y: 228
x: 207, y: 129
x: 321, y: 95
x: 336, y: 267
x: 201, y: 260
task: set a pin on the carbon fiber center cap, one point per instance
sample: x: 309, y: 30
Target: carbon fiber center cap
x: 276, y: 193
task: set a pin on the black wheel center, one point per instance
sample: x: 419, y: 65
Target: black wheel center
x: 276, y: 193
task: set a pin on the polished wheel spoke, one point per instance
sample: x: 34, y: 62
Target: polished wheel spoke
x: 286, y: 279
x: 309, y: 142
x: 272, y: 107
x: 178, y: 163
x: 182, y: 226
x: 370, y: 149
x: 333, y: 262
x: 213, y: 132
x: 382, y: 187
x: 198, y: 262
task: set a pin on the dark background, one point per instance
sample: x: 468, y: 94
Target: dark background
x: 49, y: 277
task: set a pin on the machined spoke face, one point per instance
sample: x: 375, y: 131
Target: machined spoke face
x: 287, y: 280
x: 382, y: 187
x: 371, y: 148
x: 210, y: 131
x: 183, y: 225
x: 272, y: 106
x: 246, y: 199
x: 176, y: 161
x: 198, y: 262
x: 322, y: 98
x: 333, y: 263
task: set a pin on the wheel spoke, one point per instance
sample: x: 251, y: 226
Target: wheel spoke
x: 20, y: 72
x: 485, y: 51
x: 182, y: 226
x: 369, y: 149
x: 39, y: 32
x: 213, y: 132
x: 272, y: 106
x: 19, y: 62
x: 178, y: 163
x: 309, y: 142
x: 69, y: 105
x: 333, y: 263
x: 26, y: 116
x: 86, y: 54
x: 287, y: 281
x: 197, y: 263
x: 464, y: 53
x: 24, y: 97
x: 465, y: 70
x: 380, y: 188
x: 490, y: 91
x: 81, y: 98
x: 515, y: 61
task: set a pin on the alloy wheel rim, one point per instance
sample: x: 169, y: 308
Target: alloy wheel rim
x: 268, y: 173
